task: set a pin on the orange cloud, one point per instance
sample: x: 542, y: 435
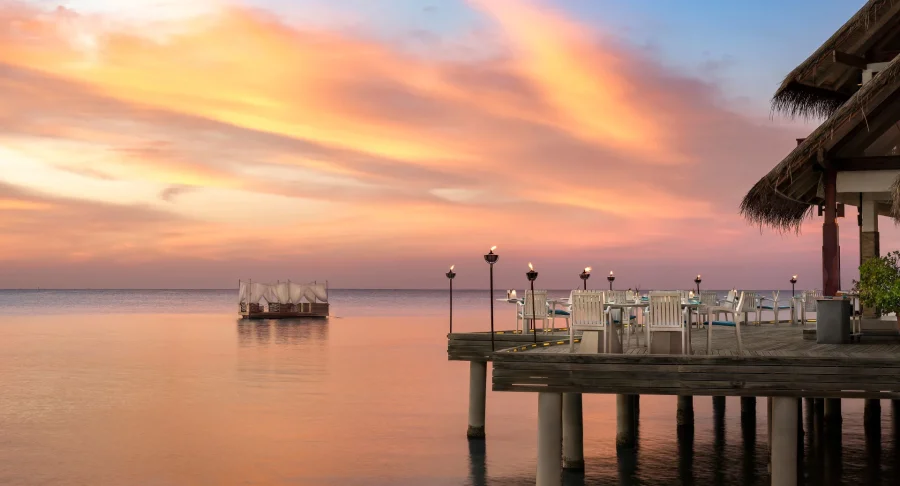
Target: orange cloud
x: 231, y: 136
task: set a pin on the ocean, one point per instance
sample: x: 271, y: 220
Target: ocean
x: 169, y: 387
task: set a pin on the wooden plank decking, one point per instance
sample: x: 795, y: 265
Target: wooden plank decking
x: 777, y: 362
x: 476, y: 346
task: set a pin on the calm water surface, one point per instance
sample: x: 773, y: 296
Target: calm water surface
x: 170, y: 388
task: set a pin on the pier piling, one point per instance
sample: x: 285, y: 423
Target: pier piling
x: 784, y: 441
x: 625, y: 421
x: 549, y: 465
x: 573, y: 432
x: 684, y: 415
x: 833, y: 411
x: 477, y: 396
x: 872, y: 414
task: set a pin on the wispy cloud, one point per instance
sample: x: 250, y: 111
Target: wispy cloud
x: 281, y: 140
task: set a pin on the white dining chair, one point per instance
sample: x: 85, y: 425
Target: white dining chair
x: 589, y: 317
x: 536, y: 310
x: 666, y: 315
x: 749, y: 303
x: 775, y: 307
x: 809, y: 304
x: 734, y: 322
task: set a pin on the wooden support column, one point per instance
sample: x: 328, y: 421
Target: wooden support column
x: 831, y: 250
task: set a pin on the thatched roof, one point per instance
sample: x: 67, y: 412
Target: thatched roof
x: 819, y: 86
x: 785, y: 197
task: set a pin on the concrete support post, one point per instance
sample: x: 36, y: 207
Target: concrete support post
x: 625, y: 421
x: 684, y: 414
x: 784, y: 441
x: 872, y: 414
x: 769, y: 430
x: 549, y: 447
x: 477, y: 396
x: 573, y: 432
x: 833, y: 411
x: 748, y: 406
x: 718, y: 405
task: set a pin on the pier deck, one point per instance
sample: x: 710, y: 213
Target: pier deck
x: 777, y: 362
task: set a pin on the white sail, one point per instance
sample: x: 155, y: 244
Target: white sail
x: 320, y: 291
x: 244, y: 292
x: 297, y: 292
x: 282, y: 293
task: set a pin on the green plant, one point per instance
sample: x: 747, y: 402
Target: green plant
x: 879, y: 283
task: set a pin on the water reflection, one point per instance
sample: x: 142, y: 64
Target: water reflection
x: 282, y: 332
x: 686, y: 453
x: 477, y: 463
x: 748, y: 434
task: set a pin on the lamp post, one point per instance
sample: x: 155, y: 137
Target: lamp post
x: 585, y: 275
x: 697, y: 281
x: 611, y: 278
x: 450, y: 275
x: 793, y: 284
x: 491, y: 259
x: 532, y: 276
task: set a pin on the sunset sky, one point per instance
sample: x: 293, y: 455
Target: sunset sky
x: 374, y: 143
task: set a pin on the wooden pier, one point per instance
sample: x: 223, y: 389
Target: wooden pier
x: 777, y: 363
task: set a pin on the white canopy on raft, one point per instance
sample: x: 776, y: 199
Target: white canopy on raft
x: 282, y: 292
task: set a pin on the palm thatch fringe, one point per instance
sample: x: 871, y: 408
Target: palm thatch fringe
x: 800, y: 100
x: 811, y: 101
x: 895, y: 200
x: 764, y: 204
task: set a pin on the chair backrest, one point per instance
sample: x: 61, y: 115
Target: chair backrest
x: 708, y: 298
x: 775, y: 295
x: 747, y: 302
x: 588, y: 310
x: 630, y: 295
x: 685, y: 294
x: 809, y: 300
x: 617, y: 296
x: 665, y: 310
x: 540, y: 305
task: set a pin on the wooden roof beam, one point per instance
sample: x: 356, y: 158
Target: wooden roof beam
x: 883, y: 162
x: 879, y: 120
x: 849, y: 60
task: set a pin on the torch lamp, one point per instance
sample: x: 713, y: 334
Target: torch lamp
x: 585, y: 275
x: 793, y: 284
x: 532, y: 276
x: 491, y: 259
x: 697, y: 281
x: 451, y: 275
x: 611, y: 279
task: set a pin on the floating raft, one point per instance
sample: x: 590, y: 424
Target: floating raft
x: 282, y: 300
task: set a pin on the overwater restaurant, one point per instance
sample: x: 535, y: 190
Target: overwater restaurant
x: 853, y: 158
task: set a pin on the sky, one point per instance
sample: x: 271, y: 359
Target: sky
x: 171, y: 144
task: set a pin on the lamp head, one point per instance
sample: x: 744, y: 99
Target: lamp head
x: 491, y: 257
x: 586, y: 274
x: 794, y: 279
x: 698, y: 280
x: 531, y: 274
x: 451, y: 274
x: 611, y: 276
